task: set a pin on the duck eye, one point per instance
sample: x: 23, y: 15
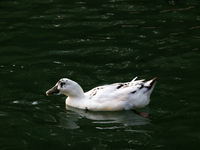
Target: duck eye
x: 62, y: 83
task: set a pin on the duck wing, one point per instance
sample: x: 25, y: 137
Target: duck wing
x: 113, y: 91
x: 120, y: 96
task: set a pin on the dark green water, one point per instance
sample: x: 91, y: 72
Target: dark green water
x: 97, y: 43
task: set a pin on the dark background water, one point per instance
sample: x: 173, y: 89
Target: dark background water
x: 97, y: 43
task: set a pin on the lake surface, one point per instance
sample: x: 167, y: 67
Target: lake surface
x: 97, y: 43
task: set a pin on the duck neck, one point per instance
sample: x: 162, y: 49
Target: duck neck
x: 76, y: 93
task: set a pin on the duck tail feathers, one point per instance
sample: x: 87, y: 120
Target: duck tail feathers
x: 134, y: 79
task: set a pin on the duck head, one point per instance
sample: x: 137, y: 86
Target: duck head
x: 67, y: 87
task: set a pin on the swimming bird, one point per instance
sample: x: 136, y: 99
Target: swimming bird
x: 113, y: 97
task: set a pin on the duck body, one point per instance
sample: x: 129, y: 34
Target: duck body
x: 113, y: 97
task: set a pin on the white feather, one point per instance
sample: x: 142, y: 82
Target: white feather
x: 113, y: 97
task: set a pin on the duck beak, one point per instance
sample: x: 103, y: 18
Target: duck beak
x: 53, y: 90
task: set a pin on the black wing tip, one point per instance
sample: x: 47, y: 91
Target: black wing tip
x: 153, y: 81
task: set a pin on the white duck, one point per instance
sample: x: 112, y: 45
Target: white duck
x: 113, y: 97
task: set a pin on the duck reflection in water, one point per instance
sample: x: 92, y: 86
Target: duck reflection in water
x: 108, y: 119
